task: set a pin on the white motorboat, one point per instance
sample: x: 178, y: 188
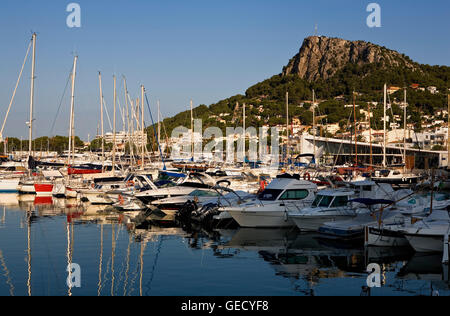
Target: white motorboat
x: 110, y: 192
x: 9, y: 185
x: 415, y: 208
x: 329, y: 206
x: 284, y: 194
x: 354, y: 228
x: 173, y: 204
x: 333, y: 205
x: 396, y: 178
x: 168, y: 189
x: 426, y: 235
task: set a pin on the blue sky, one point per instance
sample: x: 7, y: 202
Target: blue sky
x: 183, y: 49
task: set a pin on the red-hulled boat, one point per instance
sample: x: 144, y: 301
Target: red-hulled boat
x: 43, y: 189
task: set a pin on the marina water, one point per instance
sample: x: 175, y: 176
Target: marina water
x: 40, y: 237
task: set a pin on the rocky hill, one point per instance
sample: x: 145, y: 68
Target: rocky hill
x: 334, y: 68
x: 322, y: 57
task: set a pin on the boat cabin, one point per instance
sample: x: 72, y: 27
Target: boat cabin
x: 285, y: 189
x: 333, y: 198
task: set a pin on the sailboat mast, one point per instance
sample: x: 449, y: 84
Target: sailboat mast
x: 404, y: 131
x: 192, y: 131
x: 159, y: 126
x: 243, y: 132
x: 448, y: 134
x: 72, y: 104
x: 384, y: 127
x: 33, y: 68
x: 142, y: 126
x: 114, y: 129
x: 128, y: 120
x: 287, y: 127
x: 314, y: 121
x: 370, y: 136
x: 101, y: 119
x: 356, y: 131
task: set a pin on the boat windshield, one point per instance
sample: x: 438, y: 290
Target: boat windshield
x: 340, y: 201
x: 204, y: 193
x: 322, y: 201
x: 269, y: 195
x: 164, y: 184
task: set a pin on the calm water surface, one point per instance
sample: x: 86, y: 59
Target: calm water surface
x: 40, y: 237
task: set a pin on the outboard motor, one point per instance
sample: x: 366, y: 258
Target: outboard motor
x: 188, y: 208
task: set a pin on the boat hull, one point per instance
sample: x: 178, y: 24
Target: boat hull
x: 384, y: 238
x: 26, y: 188
x: 43, y: 189
x: 313, y: 223
x: 98, y: 198
x: 426, y: 243
x: 265, y: 219
x: 9, y: 186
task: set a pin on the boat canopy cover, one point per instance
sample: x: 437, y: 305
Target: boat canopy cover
x: 372, y: 201
x: 305, y: 156
x: 289, y: 176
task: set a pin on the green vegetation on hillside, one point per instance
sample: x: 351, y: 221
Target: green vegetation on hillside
x: 367, y: 80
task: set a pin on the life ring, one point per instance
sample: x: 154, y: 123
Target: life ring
x: 307, y: 176
x: 130, y: 183
x: 93, y: 185
x: 121, y: 200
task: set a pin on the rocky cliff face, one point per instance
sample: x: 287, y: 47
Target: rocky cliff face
x: 321, y: 57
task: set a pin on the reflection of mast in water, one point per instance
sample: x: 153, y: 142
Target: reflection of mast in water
x: 143, y: 245
x: 29, y: 213
x: 101, y: 262
x: 7, y: 274
x: 113, y: 249
x: 127, y: 266
x: 4, y: 215
x: 69, y: 257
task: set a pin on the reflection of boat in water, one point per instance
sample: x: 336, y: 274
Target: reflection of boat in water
x: 253, y: 239
x: 429, y: 267
x: 152, y: 233
x: 43, y: 200
x: 9, y: 200
x: 26, y: 198
x: 308, y: 256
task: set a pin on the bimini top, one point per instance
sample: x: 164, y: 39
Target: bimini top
x: 339, y: 192
x: 290, y: 183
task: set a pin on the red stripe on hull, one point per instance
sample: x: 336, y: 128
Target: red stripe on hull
x: 73, y: 171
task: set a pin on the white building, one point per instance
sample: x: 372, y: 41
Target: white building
x: 123, y: 138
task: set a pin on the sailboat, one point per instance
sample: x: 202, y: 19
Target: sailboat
x: 26, y: 186
x: 396, y: 177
